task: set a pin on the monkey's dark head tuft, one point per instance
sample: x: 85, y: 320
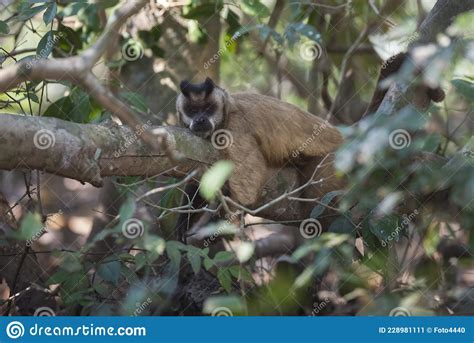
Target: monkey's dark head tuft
x: 197, y: 89
x: 201, y: 106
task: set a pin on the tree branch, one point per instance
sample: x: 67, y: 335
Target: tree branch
x: 439, y: 18
x: 89, y: 152
x: 78, y: 70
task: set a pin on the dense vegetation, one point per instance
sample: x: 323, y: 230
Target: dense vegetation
x: 402, y: 240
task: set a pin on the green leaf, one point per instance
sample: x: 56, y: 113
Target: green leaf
x: 60, y: 108
x: 30, y: 227
x: 135, y: 100
x: 81, y: 106
x: 140, y: 260
x: 294, y: 31
x: 172, y: 250
x: 59, y: 277
x: 255, y: 8
x: 465, y: 88
x: 342, y: 224
x: 240, y: 273
x: 225, y: 279
x: 69, y: 41
x: 28, y: 13
x: 264, y: 32
x: 208, y: 263
x: 45, y: 45
x: 386, y: 228
x: 234, y: 271
x: 195, y: 261
x: 432, y: 238
x: 33, y: 97
x: 4, y: 29
x: 203, y: 11
x: 305, y: 277
x: 76, y: 107
x: 223, y: 256
x: 325, y: 200
x: 214, y: 178
x: 110, y: 271
x: 74, y: 8
x: 72, y: 262
x: 155, y: 245
x: 157, y: 51
x: 50, y: 13
x: 74, y: 288
x: 101, y: 288
x: 233, y: 21
x: 90, y: 16
x: 196, y: 32
x: 432, y: 142
x: 126, y: 211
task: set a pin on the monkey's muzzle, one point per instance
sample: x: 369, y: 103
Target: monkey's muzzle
x: 201, y: 127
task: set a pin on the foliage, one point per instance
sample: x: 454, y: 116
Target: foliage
x: 410, y: 173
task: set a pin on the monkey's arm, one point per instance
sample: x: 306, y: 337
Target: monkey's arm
x: 250, y: 170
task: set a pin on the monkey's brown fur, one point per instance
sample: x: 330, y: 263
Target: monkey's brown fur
x: 269, y: 134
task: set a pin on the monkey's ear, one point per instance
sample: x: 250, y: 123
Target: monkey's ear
x: 209, y: 86
x: 184, y: 86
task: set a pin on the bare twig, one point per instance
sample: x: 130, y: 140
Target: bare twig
x: 78, y: 70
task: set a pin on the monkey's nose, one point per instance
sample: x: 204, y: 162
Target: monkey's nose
x: 200, y: 120
x: 201, y: 126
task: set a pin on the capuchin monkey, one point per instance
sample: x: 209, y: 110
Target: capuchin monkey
x: 261, y: 134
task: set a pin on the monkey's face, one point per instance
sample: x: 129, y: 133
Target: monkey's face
x: 201, y: 107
